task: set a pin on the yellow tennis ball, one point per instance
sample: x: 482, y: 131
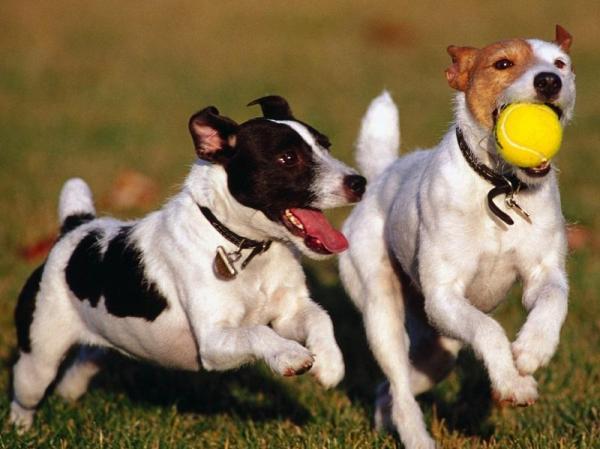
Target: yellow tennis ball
x: 527, y: 135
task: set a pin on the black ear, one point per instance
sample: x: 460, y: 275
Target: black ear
x: 274, y: 107
x: 213, y: 135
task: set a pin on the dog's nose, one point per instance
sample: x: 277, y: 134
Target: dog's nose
x: 547, y: 84
x: 355, y: 186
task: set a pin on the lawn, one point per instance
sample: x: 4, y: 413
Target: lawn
x: 101, y: 88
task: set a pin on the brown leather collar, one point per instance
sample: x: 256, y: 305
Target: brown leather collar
x: 240, y: 242
x: 507, y: 184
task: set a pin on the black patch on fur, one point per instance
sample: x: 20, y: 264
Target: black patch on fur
x: 84, y: 272
x: 255, y: 177
x: 26, y: 307
x: 127, y: 290
x: 74, y: 221
x: 118, y: 275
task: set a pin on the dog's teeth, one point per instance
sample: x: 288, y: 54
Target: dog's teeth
x: 296, y: 222
x: 292, y: 219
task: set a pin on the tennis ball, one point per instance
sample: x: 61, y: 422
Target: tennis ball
x: 527, y: 135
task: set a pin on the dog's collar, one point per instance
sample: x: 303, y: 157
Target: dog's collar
x: 240, y: 242
x: 507, y: 184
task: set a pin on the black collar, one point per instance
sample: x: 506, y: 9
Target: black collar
x: 507, y: 184
x: 240, y: 242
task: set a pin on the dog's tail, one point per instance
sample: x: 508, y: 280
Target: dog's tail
x: 379, y: 138
x: 75, y: 205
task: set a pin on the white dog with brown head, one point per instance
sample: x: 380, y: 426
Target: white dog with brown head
x: 434, y: 250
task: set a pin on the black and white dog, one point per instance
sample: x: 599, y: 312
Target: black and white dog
x: 212, y: 280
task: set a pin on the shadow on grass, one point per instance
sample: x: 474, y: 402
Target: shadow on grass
x: 249, y: 393
x: 466, y: 412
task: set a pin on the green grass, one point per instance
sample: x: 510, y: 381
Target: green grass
x: 91, y: 88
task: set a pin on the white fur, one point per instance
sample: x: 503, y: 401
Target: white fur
x: 266, y: 313
x: 380, y: 135
x: 427, y: 212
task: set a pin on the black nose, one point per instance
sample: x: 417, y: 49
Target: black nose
x: 547, y: 84
x: 355, y: 186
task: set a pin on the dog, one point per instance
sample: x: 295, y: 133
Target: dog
x: 433, y: 250
x: 210, y: 281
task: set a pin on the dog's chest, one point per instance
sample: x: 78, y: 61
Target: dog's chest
x: 496, y: 272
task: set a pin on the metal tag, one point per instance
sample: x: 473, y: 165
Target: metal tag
x: 223, y: 264
x: 511, y: 202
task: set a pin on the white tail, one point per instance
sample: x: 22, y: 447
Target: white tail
x: 75, y: 199
x: 379, y: 138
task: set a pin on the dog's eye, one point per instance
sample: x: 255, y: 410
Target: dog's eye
x: 503, y: 64
x: 288, y: 159
x: 560, y: 64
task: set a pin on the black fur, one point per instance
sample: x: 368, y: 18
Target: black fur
x: 118, y: 275
x: 74, y: 221
x: 252, y: 156
x: 84, y: 272
x: 255, y: 175
x: 26, y: 307
x: 274, y: 107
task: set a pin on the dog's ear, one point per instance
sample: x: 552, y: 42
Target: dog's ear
x: 274, y: 107
x: 214, y: 135
x: 563, y: 39
x: 463, y: 59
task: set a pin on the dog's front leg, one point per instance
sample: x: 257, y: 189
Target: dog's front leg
x: 223, y: 348
x: 449, y: 311
x: 545, y: 295
x: 309, y: 323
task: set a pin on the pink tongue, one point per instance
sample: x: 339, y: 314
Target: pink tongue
x: 316, y: 225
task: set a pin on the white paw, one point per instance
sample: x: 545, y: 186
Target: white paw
x: 531, y: 353
x: 20, y: 417
x: 420, y: 443
x: 328, y: 368
x: 518, y: 390
x: 291, y: 360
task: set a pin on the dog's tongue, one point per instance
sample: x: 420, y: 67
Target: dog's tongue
x: 316, y: 225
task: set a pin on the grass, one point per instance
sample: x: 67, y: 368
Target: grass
x: 93, y: 88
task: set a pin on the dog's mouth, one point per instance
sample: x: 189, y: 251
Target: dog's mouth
x: 544, y: 168
x: 538, y: 172
x: 312, y: 226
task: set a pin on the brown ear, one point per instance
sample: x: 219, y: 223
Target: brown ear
x: 463, y: 59
x: 563, y: 39
x: 213, y: 135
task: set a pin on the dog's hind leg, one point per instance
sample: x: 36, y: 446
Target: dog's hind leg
x: 52, y: 330
x: 383, y: 317
x: 374, y: 287
x: 76, y: 379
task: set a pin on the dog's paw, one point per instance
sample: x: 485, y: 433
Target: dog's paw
x: 20, y: 417
x: 291, y: 360
x: 519, y: 390
x: 328, y: 368
x: 531, y: 353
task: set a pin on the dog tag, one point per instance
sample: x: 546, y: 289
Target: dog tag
x: 512, y: 203
x: 223, y: 265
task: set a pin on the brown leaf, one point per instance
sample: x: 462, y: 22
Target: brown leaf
x: 37, y: 250
x: 131, y: 190
x: 578, y: 237
x: 387, y: 33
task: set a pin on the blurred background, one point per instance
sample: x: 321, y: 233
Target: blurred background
x: 104, y: 89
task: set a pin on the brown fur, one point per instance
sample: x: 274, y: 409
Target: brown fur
x: 563, y: 39
x: 473, y: 72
